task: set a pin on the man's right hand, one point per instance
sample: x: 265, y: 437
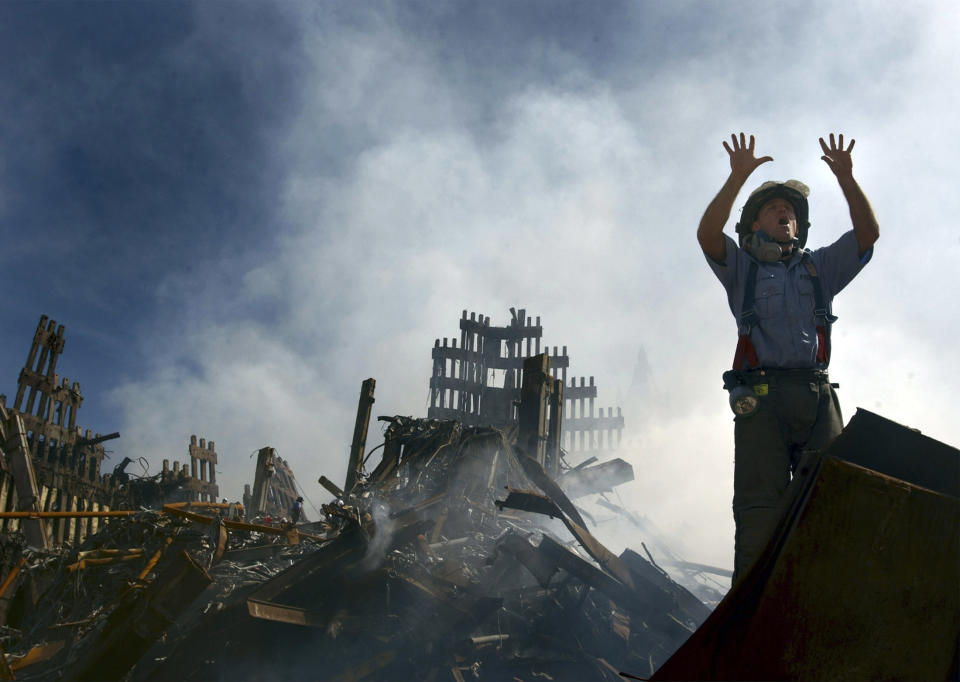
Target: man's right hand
x: 742, y: 164
x: 742, y: 160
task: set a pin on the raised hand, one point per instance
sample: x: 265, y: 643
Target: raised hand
x: 837, y: 157
x: 742, y: 160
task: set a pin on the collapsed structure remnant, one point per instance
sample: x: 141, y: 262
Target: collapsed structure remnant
x: 426, y: 567
x: 64, y: 461
x: 52, y: 465
x: 479, y: 383
x: 274, y: 487
x: 199, y: 483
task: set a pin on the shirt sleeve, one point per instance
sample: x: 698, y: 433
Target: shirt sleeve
x: 727, y: 270
x: 840, y: 262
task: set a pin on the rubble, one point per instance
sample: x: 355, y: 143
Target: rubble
x: 459, y: 554
x: 448, y: 559
x: 93, y: 611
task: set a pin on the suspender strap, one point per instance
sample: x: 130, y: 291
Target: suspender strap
x: 823, y: 345
x: 748, y: 311
x: 821, y: 313
x: 746, y: 355
x: 745, y: 351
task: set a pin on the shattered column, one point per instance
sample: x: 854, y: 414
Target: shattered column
x: 203, y: 464
x: 360, y: 433
x: 537, y: 386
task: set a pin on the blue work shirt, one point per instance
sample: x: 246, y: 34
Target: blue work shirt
x: 785, y: 335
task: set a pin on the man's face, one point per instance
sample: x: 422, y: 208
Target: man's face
x: 777, y: 219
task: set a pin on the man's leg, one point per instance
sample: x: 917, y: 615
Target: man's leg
x: 761, y: 474
x: 829, y: 421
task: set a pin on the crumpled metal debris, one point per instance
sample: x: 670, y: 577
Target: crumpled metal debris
x: 425, y: 569
x: 424, y: 576
x: 64, y: 605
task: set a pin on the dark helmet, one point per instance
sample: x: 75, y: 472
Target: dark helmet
x: 793, y: 191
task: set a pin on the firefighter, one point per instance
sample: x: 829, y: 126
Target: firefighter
x: 296, y: 511
x: 781, y: 296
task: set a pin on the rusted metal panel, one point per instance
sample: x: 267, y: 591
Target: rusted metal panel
x: 882, y: 445
x: 860, y: 581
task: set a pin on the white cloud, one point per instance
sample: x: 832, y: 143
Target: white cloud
x: 581, y: 206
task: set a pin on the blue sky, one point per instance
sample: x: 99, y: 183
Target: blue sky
x: 242, y: 210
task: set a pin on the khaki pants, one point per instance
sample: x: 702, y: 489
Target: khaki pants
x: 800, y: 412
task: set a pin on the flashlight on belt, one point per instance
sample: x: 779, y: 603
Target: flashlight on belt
x: 743, y: 401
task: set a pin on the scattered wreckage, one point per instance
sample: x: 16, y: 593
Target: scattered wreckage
x: 462, y: 555
x: 456, y: 557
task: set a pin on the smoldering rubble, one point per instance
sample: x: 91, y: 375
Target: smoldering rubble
x: 456, y: 556
x: 458, y: 552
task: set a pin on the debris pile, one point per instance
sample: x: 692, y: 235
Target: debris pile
x: 460, y: 554
x: 92, y: 612
x: 456, y: 557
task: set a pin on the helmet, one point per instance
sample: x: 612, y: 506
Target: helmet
x: 793, y: 191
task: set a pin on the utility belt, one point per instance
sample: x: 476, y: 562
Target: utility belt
x: 747, y: 386
x: 776, y: 374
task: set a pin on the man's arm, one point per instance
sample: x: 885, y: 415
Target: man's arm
x: 742, y: 164
x: 865, y: 226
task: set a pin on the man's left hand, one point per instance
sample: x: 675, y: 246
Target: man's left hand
x: 837, y: 157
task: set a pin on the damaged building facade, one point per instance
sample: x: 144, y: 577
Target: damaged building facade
x: 52, y: 465
x: 479, y: 382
